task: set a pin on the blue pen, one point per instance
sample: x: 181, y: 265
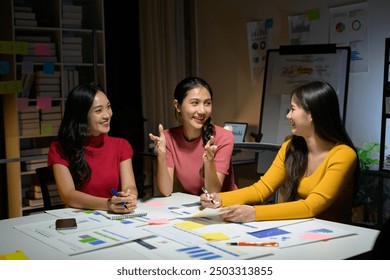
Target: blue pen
x: 117, y: 195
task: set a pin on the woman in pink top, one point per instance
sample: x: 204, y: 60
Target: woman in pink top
x: 197, y: 152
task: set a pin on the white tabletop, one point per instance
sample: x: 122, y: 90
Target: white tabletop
x: 344, y: 247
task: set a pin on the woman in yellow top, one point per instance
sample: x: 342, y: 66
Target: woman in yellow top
x: 315, y: 171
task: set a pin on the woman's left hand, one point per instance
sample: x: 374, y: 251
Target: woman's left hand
x: 209, y: 150
x: 238, y: 213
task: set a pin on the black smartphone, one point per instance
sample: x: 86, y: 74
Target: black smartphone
x: 69, y: 223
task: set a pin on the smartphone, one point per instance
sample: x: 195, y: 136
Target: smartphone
x: 69, y: 223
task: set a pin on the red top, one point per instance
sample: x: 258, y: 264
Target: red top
x: 104, y: 155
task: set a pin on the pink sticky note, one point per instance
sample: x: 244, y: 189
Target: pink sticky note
x: 42, y: 49
x: 315, y: 236
x: 161, y: 221
x: 156, y: 204
x: 44, y: 102
x: 22, y: 103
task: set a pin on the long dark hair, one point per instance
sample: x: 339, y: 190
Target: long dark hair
x: 320, y: 99
x: 73, y: 131
x: 181, y: 91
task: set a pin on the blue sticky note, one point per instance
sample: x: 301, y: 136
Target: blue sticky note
x: 48, y: 67
x: 268, y: 232
x: 4, y: 67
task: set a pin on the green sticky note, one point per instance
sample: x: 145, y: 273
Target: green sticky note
x: 46, y: 129
x: 313, y: 14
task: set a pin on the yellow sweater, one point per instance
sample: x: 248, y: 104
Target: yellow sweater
x: 326, y: 194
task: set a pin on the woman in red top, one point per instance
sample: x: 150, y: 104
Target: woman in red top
x: 87, y: 163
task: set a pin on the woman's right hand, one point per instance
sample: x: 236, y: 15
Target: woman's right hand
x: 159, y: 141
x: 212, y: 200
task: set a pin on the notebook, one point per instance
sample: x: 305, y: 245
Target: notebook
x: 115, y: 216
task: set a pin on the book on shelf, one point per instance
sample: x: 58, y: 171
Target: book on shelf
x: 26, y: 22
x: 33, y: 201
x: 53, y: 123
x: 72, y: 53
x: 72, y: 40
x: 53, y: 109
x: 34, y: 39
x: 72, y: 59
x: 51, y: 116
x: 71, y: 22
x: 38, y: 194
x: 24, y: 15
x: 72, y: 8
x: 41, y: 74
x: 47, y: 80
x: 29, y: 121
x: 27, y: 82
x: 54, y: 94
x: 29, y: 132
x: 31, y: 165
x: 42, y: 87
x: 33, y: 125
x: 37, y: 187
x: 34, y: 152
x: 72, y: 47
x: 24, y: 9
x: 72, y: 15
x: 39, y: 58
x: 26, y: 115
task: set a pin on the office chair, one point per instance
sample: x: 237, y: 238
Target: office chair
x: 50, y: 195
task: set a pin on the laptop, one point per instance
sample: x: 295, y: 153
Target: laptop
x: 238, y: 129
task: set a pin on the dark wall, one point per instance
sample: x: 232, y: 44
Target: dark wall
x: 123, y: 78
x: 3, y: 178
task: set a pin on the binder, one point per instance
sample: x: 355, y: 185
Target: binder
x: 115, y: 216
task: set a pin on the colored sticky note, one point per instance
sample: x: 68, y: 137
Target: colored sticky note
x: 42, y: 49
x: 269, y: 23
x: 27, y: 67
x: 189, y: 225
x: 158, y: 221
x: 48, y: 67
x: 17, y: 255
x: 22, y: 104
x: 46, y: 129
x: 44, y: 102
x: 156, y: 204
x: 11, y: 87
x: 10, y: 47
x: 215, y: 236
x: 313, y: 14
x: 4, y: 67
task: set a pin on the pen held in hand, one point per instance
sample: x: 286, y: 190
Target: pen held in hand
x: 113, y: 191
x: 208, y: 195
x: 261, y: 244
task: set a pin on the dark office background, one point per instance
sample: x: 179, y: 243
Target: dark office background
x: 123, y: 78
x: 123, y: 88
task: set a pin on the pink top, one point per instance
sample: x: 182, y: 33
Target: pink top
x: 186, y: 158
x: 104, y: 155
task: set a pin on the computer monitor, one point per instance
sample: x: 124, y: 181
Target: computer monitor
x: 238, y: 129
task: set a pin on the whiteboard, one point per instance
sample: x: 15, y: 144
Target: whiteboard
x: 291, y: 66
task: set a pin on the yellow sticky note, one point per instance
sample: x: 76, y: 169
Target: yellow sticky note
x: 189, y: 225
x: 215, y: 236
x: 17, y: 255
x: 11, y: 86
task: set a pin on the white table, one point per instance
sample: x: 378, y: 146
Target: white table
x: 334, y: 249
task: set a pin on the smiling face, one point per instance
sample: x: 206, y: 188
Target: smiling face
x: 99, y: 115
x: 300, y: 120
x: 195, y: 110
